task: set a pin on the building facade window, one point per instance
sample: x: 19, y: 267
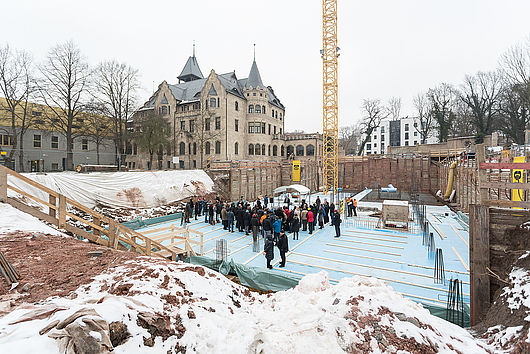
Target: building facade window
x: 250, y: 149
x: 236, y: 106
x: 272, y: 113
x: 236, y: 125
x: 217, y: 147
x: 207, y: 148
x: 263, y: 152
x: 310, y: 150
x: 290, y: 150
x: 36, y: 140
x: 300, y: 150
x: 192, y: 126
x: 269, y: 151
x: 55, y: 142
x: 281, y: 115
x: 213, y: 102
x: 84, y: 144
x: 217, y: 123
x: 251, y: 108
x: 236, y: 148
x: 257, y: 149
x: 368, y: 146
x: 194, y: 148
x: 263, y: 109
x: 182, y: 125
x: 282, y: 150
x: 258, y: 108
x: 182, y: 148
x: 263, y: 126
x: 406, y: 135
x: 406, y: 127
x: 207, y: 124
x: 164, y: 110
x: 275, y: 150
x: 254, y: 128
x: 6, y: 140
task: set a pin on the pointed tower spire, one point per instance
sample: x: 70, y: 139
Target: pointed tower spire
x: 254, y: 78
x: 191, y: 70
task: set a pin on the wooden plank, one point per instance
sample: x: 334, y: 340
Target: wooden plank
x: 460, y: 258
x: 31, y: 182
x: 3, y: 184
x: 506, y: 185
x: 482, y: 174
x: 38, y: 200
x: 53, y: 201
x: 479, y: 260
x: 504, y: 166
x: 88, y: 223
x: 32, y: 211
x: 506, y: 203
x: 62, y: 211
x: 89, y: 236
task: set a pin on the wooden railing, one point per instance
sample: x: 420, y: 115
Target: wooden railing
x: 174, y: 234
x: 101, y: 230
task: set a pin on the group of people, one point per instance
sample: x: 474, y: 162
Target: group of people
x: 269, y: 223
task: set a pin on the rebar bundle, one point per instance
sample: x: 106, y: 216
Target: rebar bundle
x: 455, y: 303
x: 8, y: 271
x: 439, y: 269
x: 221, y: 250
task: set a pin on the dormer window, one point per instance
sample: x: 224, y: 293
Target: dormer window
x: 213, y: 102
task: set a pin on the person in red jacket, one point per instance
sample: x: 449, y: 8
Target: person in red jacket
x: 310, y: 220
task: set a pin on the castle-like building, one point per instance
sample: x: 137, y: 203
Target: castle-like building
x: 219, y: 118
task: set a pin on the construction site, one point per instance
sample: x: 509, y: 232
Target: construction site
x: 417, y: 249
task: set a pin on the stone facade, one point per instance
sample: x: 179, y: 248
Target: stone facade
x: 217, y: 118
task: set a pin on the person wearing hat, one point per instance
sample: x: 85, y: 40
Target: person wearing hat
x: 336, y: 223
x: 268, y: 250
x: 283, y: 246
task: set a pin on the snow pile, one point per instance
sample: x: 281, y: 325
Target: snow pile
x: 120, y: 189
x: 181, y: 308
x: 12, y: 220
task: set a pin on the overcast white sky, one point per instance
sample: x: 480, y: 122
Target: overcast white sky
x: 388, y: 47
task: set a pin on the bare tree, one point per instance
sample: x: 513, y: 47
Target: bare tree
x: 441, y: 101
x: 481, y: 94
x: 462, y: 124
x: 99, y: 128
x: 394, y: 107
x: 514, y: 115
x: 115, y: 88
x: 350, y: 138
x: 16, y: 85
x: 152, y: 132
x: 425, y: 118
x: 515, y: 68
x: 63, y: 88
x: 373, y: 112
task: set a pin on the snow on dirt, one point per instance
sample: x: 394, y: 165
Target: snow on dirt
x: 120, y: 189
x: 12, y: 220
x: 168, y: 306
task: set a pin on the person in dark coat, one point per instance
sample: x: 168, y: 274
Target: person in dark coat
x: 283, y: 246
x: 326, y: 212
x: 254, y: 224
x: 295, y: 227
x: 210, y: 214
x: 230, y: 220
x: 197, y: 208
x: 336, y: 222
x: 218, y: 208
x: 246, y: 222
x: 268, y: 250
x: 332, y: 213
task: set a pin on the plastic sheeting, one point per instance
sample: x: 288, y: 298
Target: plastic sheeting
x: 256, y: 278
x: 120, y: 189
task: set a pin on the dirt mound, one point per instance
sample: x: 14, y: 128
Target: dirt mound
x: 53, y: 265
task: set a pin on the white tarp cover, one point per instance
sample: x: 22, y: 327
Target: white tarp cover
x: 120, y: 189
x: 292, y: 188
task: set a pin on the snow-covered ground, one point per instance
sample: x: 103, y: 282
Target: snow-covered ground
x: 206, y: 313
x: 12, y: 220
x: 120, y: 189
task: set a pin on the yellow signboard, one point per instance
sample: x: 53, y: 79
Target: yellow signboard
x: 518, y: 177
x: 296, y: 170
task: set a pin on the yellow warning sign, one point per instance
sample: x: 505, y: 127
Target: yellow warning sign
x: 296, y: 170
x: 518, y: 177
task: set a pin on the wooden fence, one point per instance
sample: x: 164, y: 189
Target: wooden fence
x: 174, y: 234
x: 102, y: 230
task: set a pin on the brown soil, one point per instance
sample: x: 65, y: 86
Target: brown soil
x: 53, y: 265
x: 499, y: 313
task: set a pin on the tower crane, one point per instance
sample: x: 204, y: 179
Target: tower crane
x: 329, y: 52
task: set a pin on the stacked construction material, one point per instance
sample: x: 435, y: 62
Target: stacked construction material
x: 8, y: 271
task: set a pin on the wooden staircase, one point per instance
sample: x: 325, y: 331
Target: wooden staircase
x: 103, y: 230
